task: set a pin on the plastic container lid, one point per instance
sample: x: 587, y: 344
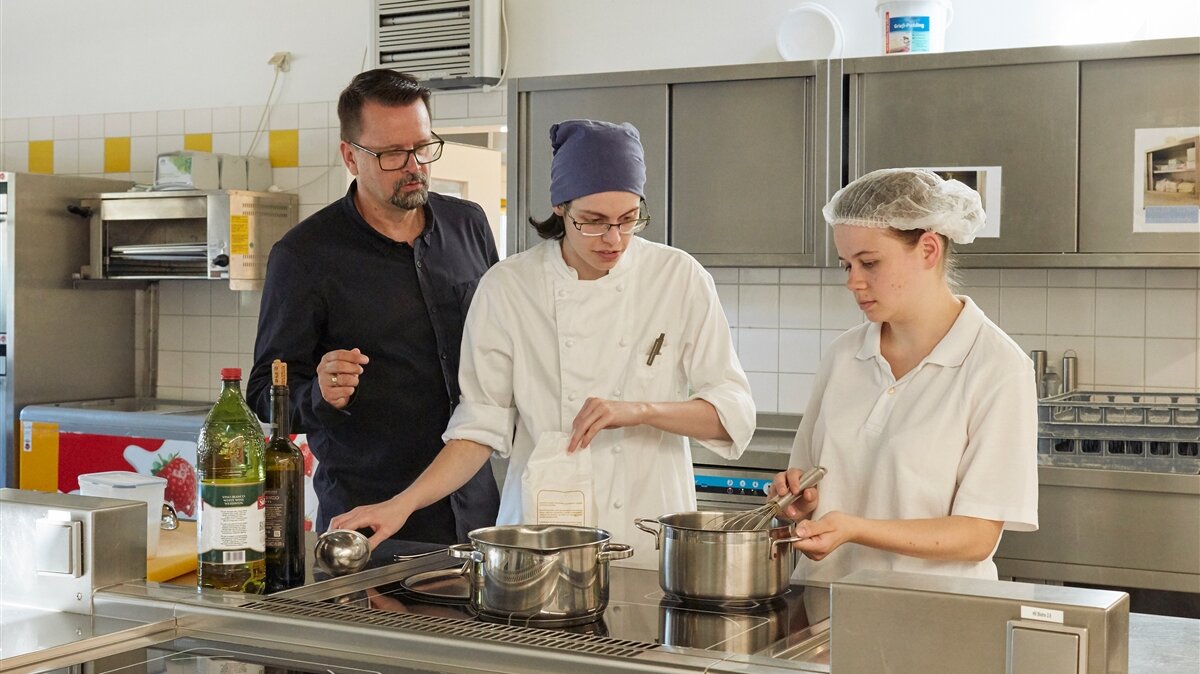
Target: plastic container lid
x: 231, y: 373
x: 809, y: 31
x: 121, y: 479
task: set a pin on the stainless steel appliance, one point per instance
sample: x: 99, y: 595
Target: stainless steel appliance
x: 56, y: 342
x: 224, y: 234
x: 1119, y: 478
x: 907, y: 622
x: 58, y: 549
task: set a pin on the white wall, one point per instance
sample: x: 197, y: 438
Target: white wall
x: 71, y: 57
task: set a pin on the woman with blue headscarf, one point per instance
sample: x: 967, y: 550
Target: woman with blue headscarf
x: 588, y: 361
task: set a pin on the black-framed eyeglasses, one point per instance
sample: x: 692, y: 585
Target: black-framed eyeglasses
x: 394, y: 160
x: 626, y: 226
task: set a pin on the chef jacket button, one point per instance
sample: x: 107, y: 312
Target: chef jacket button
x: 418, y: 264
x: 617, y: 504
x: 891, y: 390
x: 570, y: 343
x: 620, y: 287
x: 617, y: 392
x: 443, y: 356
x: 570, y: 396
x: 623, y: 342
x: 562, y: 293
x: 616, y: 449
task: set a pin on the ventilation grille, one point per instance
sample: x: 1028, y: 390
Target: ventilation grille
x: 440, y: 40
x: 508, y: 634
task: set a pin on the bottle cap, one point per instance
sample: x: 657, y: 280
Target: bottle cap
x: 231, y: 373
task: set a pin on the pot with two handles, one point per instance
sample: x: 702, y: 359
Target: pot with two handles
x: 696, y: 561
x: 536, y: 573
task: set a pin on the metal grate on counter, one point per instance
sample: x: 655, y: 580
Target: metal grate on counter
x: 1155, y: 432
x: 507, y: 634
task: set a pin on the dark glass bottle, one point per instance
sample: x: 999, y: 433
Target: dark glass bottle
x: 229, y: 466
x: 284, y: 493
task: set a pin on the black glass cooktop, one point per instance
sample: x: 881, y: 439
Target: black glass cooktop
x: 638, y: 610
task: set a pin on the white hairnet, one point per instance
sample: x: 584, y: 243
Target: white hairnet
x: 908, y: 198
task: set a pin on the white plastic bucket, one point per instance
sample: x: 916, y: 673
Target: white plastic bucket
x: 914, y: 26
x: 131, y: 487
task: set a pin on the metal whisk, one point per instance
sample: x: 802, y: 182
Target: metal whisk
x: 761, y: 517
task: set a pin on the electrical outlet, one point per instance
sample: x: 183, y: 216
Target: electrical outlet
x: 282, y: 60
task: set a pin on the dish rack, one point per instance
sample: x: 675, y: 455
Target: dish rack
x: 1154, y: 432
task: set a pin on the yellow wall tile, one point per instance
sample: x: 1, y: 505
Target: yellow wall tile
x: 199, y: 142
x: 285, y: 148
x: 116, y: 154
x: 41, y: 156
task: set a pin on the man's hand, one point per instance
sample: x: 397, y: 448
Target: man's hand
x: 384, y: 519
x: 598, y: 414
x: 338, y: 375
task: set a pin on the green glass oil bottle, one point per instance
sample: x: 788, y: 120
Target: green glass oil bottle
x: 231, y: 522
x: 284, y: 492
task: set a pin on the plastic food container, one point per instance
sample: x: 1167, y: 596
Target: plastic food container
x: 914, y: 26
x: 131, y: 487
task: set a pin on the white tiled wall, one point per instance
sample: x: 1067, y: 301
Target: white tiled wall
x: 203, y: 326
x: 1132, y: 329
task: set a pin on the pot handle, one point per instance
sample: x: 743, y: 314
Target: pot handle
x: 409, y: 558
x: 610, y: 551
x: 465, y: 551
x: 791, y: 539
x: 642, y: 523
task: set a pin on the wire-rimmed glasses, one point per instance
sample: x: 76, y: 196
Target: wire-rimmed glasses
x: 626, y: 226
x: 394, y: 160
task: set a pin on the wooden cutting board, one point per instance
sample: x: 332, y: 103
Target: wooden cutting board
x: 176, y: 553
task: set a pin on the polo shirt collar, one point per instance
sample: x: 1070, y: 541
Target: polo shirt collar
x: 950, y: 352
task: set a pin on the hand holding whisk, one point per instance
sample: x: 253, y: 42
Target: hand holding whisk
x: 762, y: 516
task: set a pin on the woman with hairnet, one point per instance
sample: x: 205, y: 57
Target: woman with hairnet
x: 602, y: 350
x: 925, y: 416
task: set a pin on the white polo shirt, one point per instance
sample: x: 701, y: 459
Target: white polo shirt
x: 957, y: 435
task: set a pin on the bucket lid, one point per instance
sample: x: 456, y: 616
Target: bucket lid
x: 880, y: 4
x: 121, y: 479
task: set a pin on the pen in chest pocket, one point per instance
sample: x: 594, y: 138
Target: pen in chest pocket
x: 655, y: 348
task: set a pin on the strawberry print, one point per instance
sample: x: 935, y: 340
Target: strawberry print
x: 181, y: 483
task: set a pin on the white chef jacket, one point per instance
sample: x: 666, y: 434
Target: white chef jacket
x: 538, y: 342
x: 957, y: 435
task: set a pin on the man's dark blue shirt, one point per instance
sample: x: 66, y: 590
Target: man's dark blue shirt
x: 333, y: 282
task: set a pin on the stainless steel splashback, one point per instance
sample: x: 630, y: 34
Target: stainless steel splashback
x: 56, y: 550
x: 905, y: 622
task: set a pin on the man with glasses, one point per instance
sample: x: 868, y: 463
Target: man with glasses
x: 595, y: 342
x: 365, y: 301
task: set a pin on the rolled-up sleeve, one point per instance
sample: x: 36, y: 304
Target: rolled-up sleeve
x: 486, y: 413
x: 714, y: 372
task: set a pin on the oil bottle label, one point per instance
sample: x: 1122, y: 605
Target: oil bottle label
x: 232, y: 523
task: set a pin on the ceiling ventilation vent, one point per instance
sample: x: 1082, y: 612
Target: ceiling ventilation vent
x: 449, y: 44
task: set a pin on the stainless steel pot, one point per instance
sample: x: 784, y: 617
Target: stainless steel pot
x: 699, y: 563
x: 543, y: 573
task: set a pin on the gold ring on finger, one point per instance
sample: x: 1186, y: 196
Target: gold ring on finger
x: 333, y: 379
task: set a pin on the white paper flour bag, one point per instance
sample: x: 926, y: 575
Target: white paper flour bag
x: 556, y: 487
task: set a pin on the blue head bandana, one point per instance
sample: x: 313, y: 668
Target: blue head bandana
x: 592, y: 157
